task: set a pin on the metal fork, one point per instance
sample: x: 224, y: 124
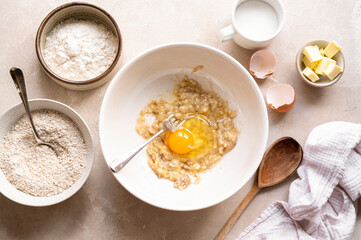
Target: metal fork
x: 170, y: 124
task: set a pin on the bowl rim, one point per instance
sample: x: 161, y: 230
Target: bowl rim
x: 83, y: 179
x: 299, y: 63
x: 197, y: 45
x: 60, y: 78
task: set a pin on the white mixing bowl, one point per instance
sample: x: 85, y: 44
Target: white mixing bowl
x: 154, y: 72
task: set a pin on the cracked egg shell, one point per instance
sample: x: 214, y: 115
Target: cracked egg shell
x: 262, y: 64
x: 281, y: 98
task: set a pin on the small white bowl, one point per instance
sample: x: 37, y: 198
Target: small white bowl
x: 81, y: 11
x: 10, y: 117
x: 154, y: 72
x: 324, y: 81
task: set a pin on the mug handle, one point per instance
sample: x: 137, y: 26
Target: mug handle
x: 226, y: 33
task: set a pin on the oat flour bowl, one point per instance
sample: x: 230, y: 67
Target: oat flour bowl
x: 155, y: 72
x: 79, y: 46
x: 7, y: 121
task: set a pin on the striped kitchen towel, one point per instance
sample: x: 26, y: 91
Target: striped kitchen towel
x: 321, y: 201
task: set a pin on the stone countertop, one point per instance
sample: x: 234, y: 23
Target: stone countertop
x: 103, y: 209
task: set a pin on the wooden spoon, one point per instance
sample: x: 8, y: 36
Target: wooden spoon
x: 280, y: 160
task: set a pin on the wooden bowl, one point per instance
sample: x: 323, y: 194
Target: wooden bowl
x: 79, y: 11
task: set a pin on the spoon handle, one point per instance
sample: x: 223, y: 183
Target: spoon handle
x: 238, y: 212
x: 19, y: 82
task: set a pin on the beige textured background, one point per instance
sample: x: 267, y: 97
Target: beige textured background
x: 103, y: 209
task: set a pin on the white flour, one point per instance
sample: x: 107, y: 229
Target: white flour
x: 37, y: 170
x: 80, y: 49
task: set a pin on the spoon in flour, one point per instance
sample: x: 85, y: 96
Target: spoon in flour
x: 280, y: 160
x: 19, y: 82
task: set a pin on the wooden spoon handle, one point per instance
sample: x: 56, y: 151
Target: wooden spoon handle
x: 237, y: 213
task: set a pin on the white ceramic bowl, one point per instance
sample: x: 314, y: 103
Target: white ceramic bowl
x: 10, y: 117
x: 324, y: 81
x: 79, y: 10
x: 154, y: 72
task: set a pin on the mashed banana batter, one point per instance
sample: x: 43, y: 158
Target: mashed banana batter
x: 209, y: 119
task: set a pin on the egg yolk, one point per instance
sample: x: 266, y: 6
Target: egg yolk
x: 181, y: 141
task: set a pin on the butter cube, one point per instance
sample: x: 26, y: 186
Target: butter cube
x: 332, y: 71
x: 309, y: 64
x: 323, y: 65
x: 331, y: 49
x: 322, y: 51
x: 312, y: 53
x: 310, y: 74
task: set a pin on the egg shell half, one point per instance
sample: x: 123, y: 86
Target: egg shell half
x: 262, y: 64
x: 281, y: 98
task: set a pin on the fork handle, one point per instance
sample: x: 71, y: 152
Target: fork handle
x: 117, y: 164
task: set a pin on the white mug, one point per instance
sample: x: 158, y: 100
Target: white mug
x: 234, y: 32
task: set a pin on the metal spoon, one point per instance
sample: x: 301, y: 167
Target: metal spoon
x: 280, y: 160
x: 19, y: 82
